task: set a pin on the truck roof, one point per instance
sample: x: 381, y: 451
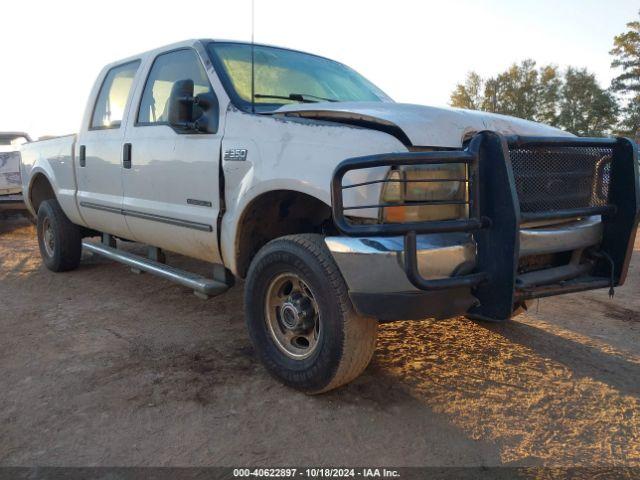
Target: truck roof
x: 190, y: 42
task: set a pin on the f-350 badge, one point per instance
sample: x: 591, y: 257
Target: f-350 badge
x: 235, y: 155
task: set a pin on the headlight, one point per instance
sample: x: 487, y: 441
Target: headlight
x: 424, y: 184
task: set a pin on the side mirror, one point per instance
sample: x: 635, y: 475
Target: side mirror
x: 183, y: 107
x: 181, y: 104
x: 209, y: 108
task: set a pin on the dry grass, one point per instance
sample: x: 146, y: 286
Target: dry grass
x: 492, y: 387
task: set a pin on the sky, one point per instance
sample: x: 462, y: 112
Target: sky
x: 416, y: 51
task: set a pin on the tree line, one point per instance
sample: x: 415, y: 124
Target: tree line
x: 570, y: 99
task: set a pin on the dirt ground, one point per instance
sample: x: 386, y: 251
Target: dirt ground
x: 103, y: 367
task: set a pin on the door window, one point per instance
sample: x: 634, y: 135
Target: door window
x: 108, y: 111
x: 167, y: 69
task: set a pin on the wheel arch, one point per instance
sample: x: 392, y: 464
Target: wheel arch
x: 40, y: 189
x: 273, y: 214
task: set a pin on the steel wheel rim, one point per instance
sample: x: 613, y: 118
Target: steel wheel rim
x: 48, y: 238
x: 292, y: 316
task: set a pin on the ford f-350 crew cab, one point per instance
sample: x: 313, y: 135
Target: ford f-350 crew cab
x: 338, y: 206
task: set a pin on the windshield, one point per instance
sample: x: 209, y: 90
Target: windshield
x: 284, y: 76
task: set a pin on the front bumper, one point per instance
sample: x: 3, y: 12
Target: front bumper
x: 373, y: 267
x: 479, y: 265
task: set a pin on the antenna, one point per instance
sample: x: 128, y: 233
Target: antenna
x: 253, y: 66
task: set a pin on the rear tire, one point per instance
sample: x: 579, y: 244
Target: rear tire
x: 60, y: 241
x: 295, y: 279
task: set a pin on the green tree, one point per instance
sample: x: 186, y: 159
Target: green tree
x: 585, y: 108
x: 626, y: 58
x: 630, y: 123
x: 522, y: 91
x: 518, y: 90
x: 492, y: 93
x: 469, y: 95
x: 513, y: 92
x: 549, y: 95
x: 573, y: 100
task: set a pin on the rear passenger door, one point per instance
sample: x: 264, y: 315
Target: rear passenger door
x: 171, y: 190
x: 99, y: 152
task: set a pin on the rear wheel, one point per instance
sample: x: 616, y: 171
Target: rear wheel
x: 60, y: 241
x: 300, y: 317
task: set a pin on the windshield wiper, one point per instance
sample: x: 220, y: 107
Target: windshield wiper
x: 298, y: 97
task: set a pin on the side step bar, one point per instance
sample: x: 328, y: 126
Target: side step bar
x: 202, y: 287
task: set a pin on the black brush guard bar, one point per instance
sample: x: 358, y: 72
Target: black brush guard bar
x: 494, y: 213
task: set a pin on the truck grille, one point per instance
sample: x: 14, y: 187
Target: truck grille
x: 561, y: 178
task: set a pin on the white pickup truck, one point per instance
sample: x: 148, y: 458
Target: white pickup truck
x: 339, y: 207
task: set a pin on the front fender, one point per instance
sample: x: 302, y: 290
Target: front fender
x: 232, y: 218
x: 288, y: 154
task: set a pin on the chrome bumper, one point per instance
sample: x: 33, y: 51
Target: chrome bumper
x: 376, y: 264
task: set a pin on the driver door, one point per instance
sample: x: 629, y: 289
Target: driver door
x: 170, y: 183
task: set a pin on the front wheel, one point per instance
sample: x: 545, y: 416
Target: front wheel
x: 300, y: 318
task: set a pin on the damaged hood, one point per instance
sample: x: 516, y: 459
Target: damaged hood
x: 420, y: 125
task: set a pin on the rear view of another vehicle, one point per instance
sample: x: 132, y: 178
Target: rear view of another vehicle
x: 10, y: 183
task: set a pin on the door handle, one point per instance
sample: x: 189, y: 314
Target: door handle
x: 126, y: 155
x: 82, y: 156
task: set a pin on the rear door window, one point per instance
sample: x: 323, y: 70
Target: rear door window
x: 108, y: 111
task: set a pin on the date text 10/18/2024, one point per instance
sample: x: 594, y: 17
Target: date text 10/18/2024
x: 316, y: 472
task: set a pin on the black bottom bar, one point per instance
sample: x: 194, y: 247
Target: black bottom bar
x: 578, y: 285
x: 565, y: 214
x: 388, y: 307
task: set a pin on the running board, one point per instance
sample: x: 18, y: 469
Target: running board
x: 203, y: 287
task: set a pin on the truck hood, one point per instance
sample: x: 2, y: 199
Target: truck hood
x: 418, y: 125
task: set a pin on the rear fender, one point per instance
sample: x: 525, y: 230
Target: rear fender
x: 66, y: 196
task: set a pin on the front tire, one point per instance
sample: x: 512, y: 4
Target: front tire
x: 300, y: 318
x: 60, y: 241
